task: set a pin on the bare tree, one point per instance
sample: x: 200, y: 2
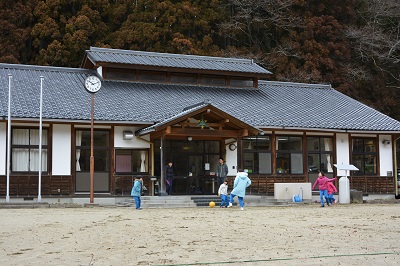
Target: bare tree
x: 252, y: 21
x: 377, y: 38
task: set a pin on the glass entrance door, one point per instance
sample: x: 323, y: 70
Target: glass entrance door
x: 196, y: 174
x: 195, y: 164
x: 188, y: 175
x: 181, y: 172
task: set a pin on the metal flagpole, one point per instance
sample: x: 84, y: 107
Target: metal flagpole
x: 40, y: 141
x: 8, y: 138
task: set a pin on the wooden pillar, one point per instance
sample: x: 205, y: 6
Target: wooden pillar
x: 162, y: 188
x: 273, y: 152
x: 305, y: 157
x: 239, y: 153
x: 73, y: 163
x: 112, y: 162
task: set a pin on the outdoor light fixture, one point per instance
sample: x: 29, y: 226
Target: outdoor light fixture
x: 127, y: 135
x: 202, y: 123
x: 385, y: 141
x: 190, y: 138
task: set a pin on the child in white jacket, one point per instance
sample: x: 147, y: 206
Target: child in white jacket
x: 223, y: 193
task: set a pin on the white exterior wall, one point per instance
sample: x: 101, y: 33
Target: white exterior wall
x: 135, y: 142
x: 61, y: 153
x: 231, y: 160
x: 3, y: 148
x: 385, y: 155
x: 342, y: 151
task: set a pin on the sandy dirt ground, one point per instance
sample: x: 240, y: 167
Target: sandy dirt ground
x: 365, y: 234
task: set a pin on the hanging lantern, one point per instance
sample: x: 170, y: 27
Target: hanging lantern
x: 202, y: 123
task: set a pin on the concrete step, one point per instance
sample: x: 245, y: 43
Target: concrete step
x: 24, y: 205
x: 161, y: 202
x: 168, y: 205
x: 204, y: 201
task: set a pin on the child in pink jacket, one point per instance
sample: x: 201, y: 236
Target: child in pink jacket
x: 331, y: 189
x: 322, y: 181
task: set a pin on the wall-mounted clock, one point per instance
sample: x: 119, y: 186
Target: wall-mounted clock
x: 92, y: 84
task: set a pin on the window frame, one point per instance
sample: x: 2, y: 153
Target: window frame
x: 320, y: 153
x: 212, y: 80
x: 96, y: 148
x: 256, y: 150
x: 244, y: 82
x: 30, y: 147
x: 153, y: 76
x: 116, y: 150
x: 365, y: 155
x: 290, y: 152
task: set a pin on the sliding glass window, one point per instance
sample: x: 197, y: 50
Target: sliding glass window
x: 320, y: 154
x: 289, y: 155
x: 257, y: 155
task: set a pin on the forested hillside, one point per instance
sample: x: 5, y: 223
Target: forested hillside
x: 352, y: 44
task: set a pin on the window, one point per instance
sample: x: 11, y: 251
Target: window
x: 153, y: 76
x: 212, y: 80
x: 25, y: 150
x: 320, y: 154
x: 120, y: 74
x: 364, y: 156
x: 289, y: 155
x: 131, y: 161
x: 257, y: 155
x: 241, y: 82
x: 183, y: 78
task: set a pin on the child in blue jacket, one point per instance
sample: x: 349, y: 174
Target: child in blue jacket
x: 136, y: 191
x: 242, y: 181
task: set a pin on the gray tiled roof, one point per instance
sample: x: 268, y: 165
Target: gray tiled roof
x: 174, y: 60
x: 274, y: 104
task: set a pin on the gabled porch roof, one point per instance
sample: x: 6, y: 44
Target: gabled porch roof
x: 219, y: 124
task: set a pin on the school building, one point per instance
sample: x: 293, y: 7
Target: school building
x: 157, y: 107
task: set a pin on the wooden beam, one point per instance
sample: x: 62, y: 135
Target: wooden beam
x: 186, y: 124
x: 244, y: 132
x: 207, y: 132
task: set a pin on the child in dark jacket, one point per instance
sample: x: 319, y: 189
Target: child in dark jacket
x: 322, y: 181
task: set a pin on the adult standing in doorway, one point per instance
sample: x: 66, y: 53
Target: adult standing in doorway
x: 222, y: 171
x: 169, y: 176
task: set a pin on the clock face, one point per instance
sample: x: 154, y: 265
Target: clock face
x: 92, y: 84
